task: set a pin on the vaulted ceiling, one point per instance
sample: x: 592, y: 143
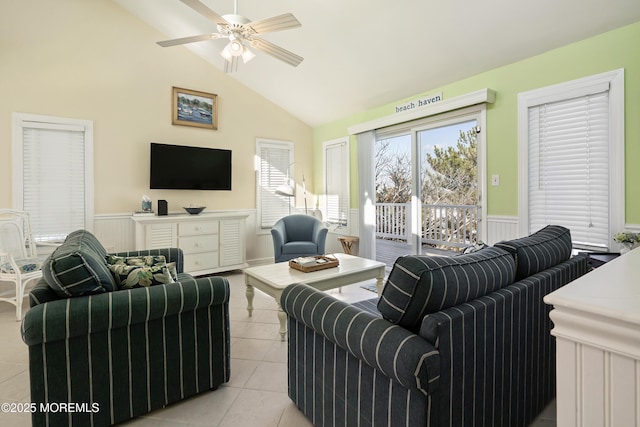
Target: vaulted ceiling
x: 361, y: 54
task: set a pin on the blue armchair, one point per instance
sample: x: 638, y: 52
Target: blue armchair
x: 298, y: 235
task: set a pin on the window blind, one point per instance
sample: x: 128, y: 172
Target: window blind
x: 337, y: 183
x: 274, y: 161
x: 569, y: 167
x: 54, y: 179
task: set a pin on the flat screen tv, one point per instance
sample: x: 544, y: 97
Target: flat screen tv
x: 179, y: 167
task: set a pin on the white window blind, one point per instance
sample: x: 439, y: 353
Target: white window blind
x: 337, y: 182
x: 569, y: 167
x: 274, y: 160
x: 53, y: 178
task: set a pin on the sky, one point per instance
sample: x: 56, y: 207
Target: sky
x: 442, y: 136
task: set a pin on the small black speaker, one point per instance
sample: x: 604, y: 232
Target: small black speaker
x: 162, y: 207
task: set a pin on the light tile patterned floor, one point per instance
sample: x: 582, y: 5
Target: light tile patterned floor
x: 255, y: 396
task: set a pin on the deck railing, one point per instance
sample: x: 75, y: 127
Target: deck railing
x: 444, y: 225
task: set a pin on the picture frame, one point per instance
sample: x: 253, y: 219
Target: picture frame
x: 194, y: 108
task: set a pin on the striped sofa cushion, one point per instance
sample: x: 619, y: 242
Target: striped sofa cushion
x: 78, y: 267
x: 539, y: 251
x: 419, y: 285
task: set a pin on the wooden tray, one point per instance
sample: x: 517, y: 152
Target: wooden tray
x: 331, y: 262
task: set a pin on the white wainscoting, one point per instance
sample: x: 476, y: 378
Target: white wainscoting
x: 506, y: 228
x: 501, y: 228
x: 333, y: 244
x: 116, y: 232
x: 259, y: 242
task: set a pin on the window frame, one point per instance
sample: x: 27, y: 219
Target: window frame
x: 568, y: 90
x: 285, y: 145
x: 22, y: 121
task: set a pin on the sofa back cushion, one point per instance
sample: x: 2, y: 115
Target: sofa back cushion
x: 539, y: 251
x: 78, y: 267
x: 419, y: 285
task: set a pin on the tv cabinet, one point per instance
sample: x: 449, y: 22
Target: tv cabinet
x: 212, y: 242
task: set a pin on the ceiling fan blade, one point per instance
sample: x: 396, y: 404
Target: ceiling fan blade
x: 205, y: 11
x: 277, y: 52
x: 192, y: 39
x: 275, y: 23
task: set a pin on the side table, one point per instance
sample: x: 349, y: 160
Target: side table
x: 597, y: 259
x: 347, y: 243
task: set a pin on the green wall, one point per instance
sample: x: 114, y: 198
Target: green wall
x: 609, y: 51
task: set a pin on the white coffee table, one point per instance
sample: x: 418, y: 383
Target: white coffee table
x: 273, y: 278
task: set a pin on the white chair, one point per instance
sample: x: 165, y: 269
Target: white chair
x: 18, y: 258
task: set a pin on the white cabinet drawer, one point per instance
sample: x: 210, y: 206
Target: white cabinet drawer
x: 201, y: 261
x: 196, y: 228
x: 196, y: 244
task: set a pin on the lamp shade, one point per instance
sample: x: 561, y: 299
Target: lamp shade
x: 286, y: 190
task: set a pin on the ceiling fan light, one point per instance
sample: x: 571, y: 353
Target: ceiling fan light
x: 247, y: 55
x: 226, y: 53
x: 236, y: 48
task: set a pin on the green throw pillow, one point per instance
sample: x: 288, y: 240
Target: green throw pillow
x: 144, y: 261
x: 136, y: 276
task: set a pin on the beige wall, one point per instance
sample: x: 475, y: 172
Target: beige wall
x: 92, y: 60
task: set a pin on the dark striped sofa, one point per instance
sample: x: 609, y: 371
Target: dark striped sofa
x: 452, y: 341
x: 109, y: 355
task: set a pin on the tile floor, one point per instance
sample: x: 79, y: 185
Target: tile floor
x: 256, y: 395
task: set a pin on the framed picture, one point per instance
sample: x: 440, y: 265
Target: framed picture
x: 193, y: 108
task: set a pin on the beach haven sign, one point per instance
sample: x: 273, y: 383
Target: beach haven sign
x: 420, y: 102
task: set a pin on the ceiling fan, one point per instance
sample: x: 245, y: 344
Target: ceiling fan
x: 241, y: 33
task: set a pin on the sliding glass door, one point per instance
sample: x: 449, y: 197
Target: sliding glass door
x: 428, y: 186
x: 394, y: 189
x: 447, y: 186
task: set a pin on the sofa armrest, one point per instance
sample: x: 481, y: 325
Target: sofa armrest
x: 170, y: 254
x: 394, y: 351
x: 81, y: 316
